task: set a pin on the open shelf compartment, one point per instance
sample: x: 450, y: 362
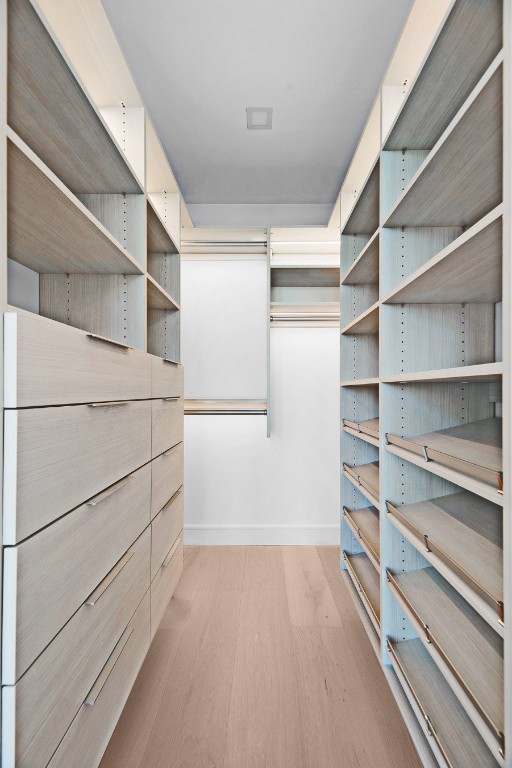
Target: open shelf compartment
x: 364, y: 524
x: 457, y: 743
x: 366, y: 581
x: 365, y: 477
x: 465, y: 648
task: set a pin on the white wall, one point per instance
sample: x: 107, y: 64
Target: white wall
x: 244, y: 488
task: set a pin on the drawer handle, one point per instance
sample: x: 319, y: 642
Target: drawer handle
x: 112, y: 404
x: 168, y: 453
x: 171, y: 500
x: 105, y: 673
x: 105, y: 340
x: 171, y: 552
x: 109, y: 578
x: 109, y: 492
x: 172, y: 362
x: 170, y: 399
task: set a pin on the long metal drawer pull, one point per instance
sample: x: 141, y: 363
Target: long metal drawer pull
x: 109, y: 578
x: 172, y: 362
x: 105, y: 673
x: 430, y: 728
x: 111, y: 404
x: 171, y: 552
x: 168, y: 452
x: 109, y: 492
x: 430, y: 639
x: 171, y: 500
x: 105, y: 340
x: 170, y: 399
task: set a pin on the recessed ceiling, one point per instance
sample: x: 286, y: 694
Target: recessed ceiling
x: 199, y: 63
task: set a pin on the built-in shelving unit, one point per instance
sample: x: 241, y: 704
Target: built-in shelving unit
x: 425, y: 380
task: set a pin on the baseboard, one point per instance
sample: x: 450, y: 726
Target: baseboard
x: 262, y: 534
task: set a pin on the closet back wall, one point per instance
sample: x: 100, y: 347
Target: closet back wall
x: 245, y: 488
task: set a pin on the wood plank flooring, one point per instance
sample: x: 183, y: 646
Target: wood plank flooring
x: 261, y: 661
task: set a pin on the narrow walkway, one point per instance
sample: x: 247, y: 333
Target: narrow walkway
x: 261, y: 661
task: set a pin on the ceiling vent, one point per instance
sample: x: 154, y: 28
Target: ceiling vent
x: 259, y: 118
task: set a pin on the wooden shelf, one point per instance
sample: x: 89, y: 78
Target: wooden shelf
x: 304, y: 277
x: 225, y: 407
x: 483, y: 372
x: 50, y: 231
x: 364, y: 218
x: 366, y: 479
x: 465, y: 47
x: 464, y: 533
x: 51, y: 113
x: 364, y: 523
x: 435, y: 704
x: 447, y: 190
x: 360, y: 382
x: 467, y: 650
x: 473, y: 449
x: 158, y: 298
x: 368, y: 427
x: 367, y: 322
x: 455, y: 274
x: 365, y: 269
x: 361, y: 436
x: 366, y: 581
x: 159, y: 240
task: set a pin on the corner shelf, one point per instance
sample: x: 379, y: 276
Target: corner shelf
x: 366, y: 581
x: 364, y: 524
x: 464, y: 647
x: 50, y: 230
x: 50, y: 111
x: 367, y: 322
x: 461, y: 535
x: 456, y: 744
x: 447, y: 190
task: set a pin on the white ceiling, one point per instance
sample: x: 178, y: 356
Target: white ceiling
x: 199, y: 63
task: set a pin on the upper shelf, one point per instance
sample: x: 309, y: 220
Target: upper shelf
x: 455, y: 274
x: 367, y: 322
x: 364, y: 218
x: 159, y: 240
x: 465, y: 47
x: 158, y: 298
x: 51, y: 113
x: 49, y: 230
x: 461, y: 179
x: 365, y: 269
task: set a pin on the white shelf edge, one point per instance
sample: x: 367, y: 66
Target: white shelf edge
x: 360, y: 382
x: 460, y: 374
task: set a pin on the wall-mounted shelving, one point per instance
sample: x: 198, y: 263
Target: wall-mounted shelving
x: 422, y: 297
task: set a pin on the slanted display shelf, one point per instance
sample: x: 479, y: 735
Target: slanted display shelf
x: 366, y: 581
x: 364, y: 523
x: 365, y: 477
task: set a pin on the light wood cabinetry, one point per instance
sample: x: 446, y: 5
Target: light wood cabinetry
x: 425, y: 384
x: 93, y: 415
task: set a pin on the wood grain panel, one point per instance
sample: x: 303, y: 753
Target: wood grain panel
x: 165, y: 269
x: 166, y: 424
x: 310, y: 601
x: 165, y: 529
x: 364, y: 218
x: 166, y: 477
x: 164, y: 583
x: 166, y: 378
x: 50, y: 693
x: 56, y: 458
x: 88, y: 736
x: 158, y: 239
x: 49, y: 110
x: 48, y: 363
x: 49, y: 575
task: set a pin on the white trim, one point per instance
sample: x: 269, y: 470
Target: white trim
x: 277, y: 535
x: 8, y: 726
x: 9, y: 623
x: 10, y: 359
x: 10, y: 476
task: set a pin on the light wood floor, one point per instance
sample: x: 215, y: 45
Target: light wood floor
x: 261, y: 661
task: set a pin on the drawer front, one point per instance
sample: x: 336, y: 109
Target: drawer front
x: 48, y: 576
x: 166, y: 477
x: 166, y: 424
x: 165, y: 529
x: 87, y: 738
x: 49, y: 363
x: 39, y: 709
x: 57, y: 458
x: 164, y: 583
x: 166, y: 378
